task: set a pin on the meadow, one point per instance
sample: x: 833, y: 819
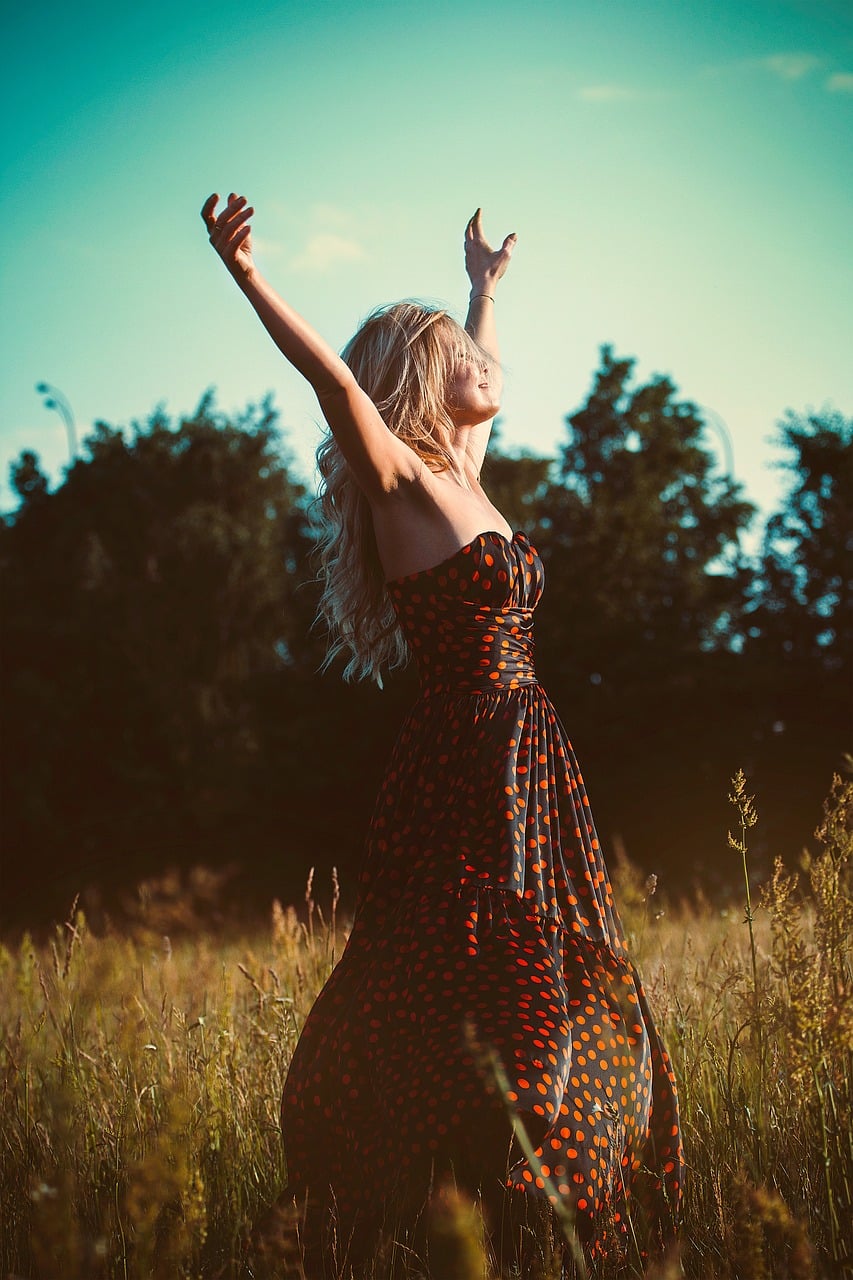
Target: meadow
x: 142, y: 1067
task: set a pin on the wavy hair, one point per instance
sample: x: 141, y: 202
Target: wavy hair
x: 402, y: 356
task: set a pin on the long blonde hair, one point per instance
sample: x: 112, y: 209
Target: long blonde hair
x: 403, y: 357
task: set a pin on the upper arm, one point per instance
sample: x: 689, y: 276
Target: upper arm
x: 480, y: 324
x: 380, y: 460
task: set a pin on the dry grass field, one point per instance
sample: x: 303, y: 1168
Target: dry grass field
x: 141, y: 1073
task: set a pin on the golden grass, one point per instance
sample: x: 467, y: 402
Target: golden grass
x: 141, y: 1080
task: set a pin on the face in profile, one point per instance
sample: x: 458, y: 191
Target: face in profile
x: 473, y: 388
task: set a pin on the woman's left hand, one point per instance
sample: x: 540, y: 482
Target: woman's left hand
x: 485, y: 265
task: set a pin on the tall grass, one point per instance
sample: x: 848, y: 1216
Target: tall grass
x: 141, y: 1079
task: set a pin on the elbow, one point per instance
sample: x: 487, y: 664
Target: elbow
x: 335, y: 388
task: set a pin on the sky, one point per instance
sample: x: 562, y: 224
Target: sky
x: 678, y: 173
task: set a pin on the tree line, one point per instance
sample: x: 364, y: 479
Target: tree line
x: 161, y: 702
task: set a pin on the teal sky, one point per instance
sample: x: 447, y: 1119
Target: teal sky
x: 678, y: 173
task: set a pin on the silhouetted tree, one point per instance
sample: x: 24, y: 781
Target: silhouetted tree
x: 145, y: 600
x: 644, y: 534
x: 161, y: 695
x: 646, y: 587
x: 28, y: 479
x: 798, y: 659
x: 804, y: 598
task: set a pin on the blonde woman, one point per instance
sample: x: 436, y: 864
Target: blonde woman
x: 485, y: 923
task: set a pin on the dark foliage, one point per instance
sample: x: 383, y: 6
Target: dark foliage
x: 799, y: 627
x: 146, y: 601
x: 161, y: 702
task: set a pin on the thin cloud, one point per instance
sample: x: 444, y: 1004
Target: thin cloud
x: 616, y: 93
x: 789, y: 66
x: 324, y: 250
x: 269, y: 248
x: 605, y: 93
x: 329, y: 214
x: 840, y: 82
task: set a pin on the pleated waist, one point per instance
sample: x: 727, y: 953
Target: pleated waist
x: 491, y: 683
x: 487, y: 651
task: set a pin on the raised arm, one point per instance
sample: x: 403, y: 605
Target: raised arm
x: 378, y: 458
x: 485, y: 267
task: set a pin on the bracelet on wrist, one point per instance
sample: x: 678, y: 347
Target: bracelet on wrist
x: 482, y: 295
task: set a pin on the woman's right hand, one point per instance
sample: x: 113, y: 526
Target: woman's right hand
x: 231, y: 233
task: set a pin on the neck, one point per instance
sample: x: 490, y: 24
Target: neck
x: 459, y: 453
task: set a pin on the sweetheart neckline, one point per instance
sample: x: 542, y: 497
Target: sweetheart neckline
x: 432, y: 568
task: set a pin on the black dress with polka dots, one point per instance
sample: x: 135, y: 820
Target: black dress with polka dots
x: 485, y: 926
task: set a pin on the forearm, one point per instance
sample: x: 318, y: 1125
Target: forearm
x: 480, y: 322
x: 295, y: 338
x: 485, y: 267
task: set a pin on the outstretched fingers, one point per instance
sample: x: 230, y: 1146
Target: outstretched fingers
x: 485, y: 265
x: 475, y: 225
x: 474, y: 231
x: 234, y: 206
x: 208, y: 211
x: 231, y: 226
x: 230, y: 231
x: 233, y: 213
x: 235, y: 221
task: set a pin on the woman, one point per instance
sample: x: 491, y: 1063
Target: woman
x: 485, y: 929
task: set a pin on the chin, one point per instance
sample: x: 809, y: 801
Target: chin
x: 475, y: 416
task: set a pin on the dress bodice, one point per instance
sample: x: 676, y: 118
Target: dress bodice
x: 469, y: 619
